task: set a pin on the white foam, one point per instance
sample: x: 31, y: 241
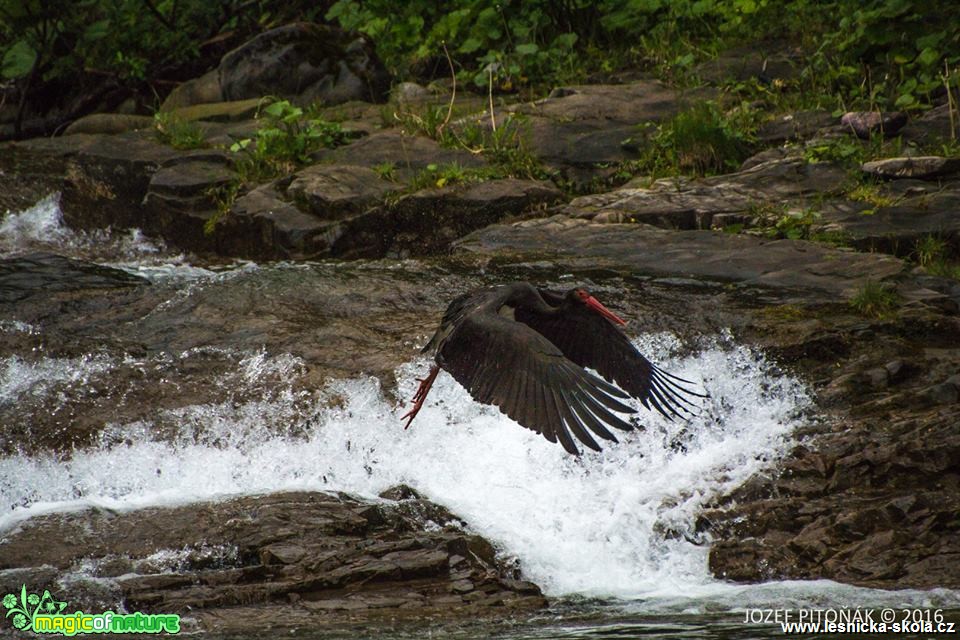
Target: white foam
x: 42, y: 228
x: 20, y: 378
x: 609, y: 524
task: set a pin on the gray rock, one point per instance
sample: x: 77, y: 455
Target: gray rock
x: 262, y: 223
x: 897, y: 227
x: 826, y: 273
x: 410, y: 92
x: 335, y: 192
x: 916, y: 167
x: 203, y: 90
x: 44, y: 273
x: 305, y: 61
x: 864, y: 123
x: 686, y: 204
x: 108, y: 123
x: 263, y: 560
x: 793, y: 126
x: 429, y: 220
x: 407, y: 154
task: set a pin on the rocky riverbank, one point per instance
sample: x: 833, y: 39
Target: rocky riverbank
x: 780, y: 251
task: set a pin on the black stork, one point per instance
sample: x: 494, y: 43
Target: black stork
x: 526, y: 350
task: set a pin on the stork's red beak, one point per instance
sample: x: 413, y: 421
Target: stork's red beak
x: 594, y: 304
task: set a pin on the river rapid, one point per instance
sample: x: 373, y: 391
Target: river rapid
x: 217, y: 380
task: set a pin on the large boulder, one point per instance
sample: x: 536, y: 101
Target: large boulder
x: 247, y: 564
x: 307, y: 62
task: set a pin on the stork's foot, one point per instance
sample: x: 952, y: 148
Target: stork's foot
x: 421, y: 395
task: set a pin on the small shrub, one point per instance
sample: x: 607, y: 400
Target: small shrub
x: 701, y: 141
x: 795, y: 225
x: 875, y: 299
x: 285, y: 140
x: 173, y: 130
x: 933, y: 254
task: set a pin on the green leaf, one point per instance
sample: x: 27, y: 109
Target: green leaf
x: 527, y: 49
x: 276, y: 109
x: 470, y: 45
x: 928, y: 57
x: 565, y: 40
x: 18, y: 60
x: 905, y: 100
x: 97, y: 31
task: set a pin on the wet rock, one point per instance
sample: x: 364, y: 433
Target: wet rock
x: 747, y: 63
x: 631, y: 248
x: 265, y: 562
x: 429, y: 220
x: 896, y: 227
x: 108, y: 123
x: 917, y: 167
x: 947, y: 392
x: 107, y: 179
x: 793, y: 126
x: 44, y: 273
x: 684, y: 204
x: 404, y: 153
x: 305, y: 61
x: 864, y: 123
x: 202, y: 90
x: 263, y: 224
x: 334, y: 192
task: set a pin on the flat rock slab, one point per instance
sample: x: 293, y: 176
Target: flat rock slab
x: 630, y: 103
x: 692, y: 204
x: 896, y: 228
x: 42, y: 273
x: 821, y: 271
x: 334, y: 192
x: 323, y: 554
x: 428, y: 221
x: 917, y: 167
x: 406, y: 154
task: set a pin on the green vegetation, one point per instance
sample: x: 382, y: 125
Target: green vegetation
x: 875, y: 299
x: 441, y: 175
x: 866, y: 54
x: 933, y: 254
x: 871, y: 193
x: 178, y: 133
x: 701, y: 140
x: 872, y: 54
x: 795, y: 225
x: 285, y: 139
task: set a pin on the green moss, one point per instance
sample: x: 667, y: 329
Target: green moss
x: 171, y: 129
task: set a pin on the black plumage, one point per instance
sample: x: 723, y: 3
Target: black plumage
x: 526, y: 350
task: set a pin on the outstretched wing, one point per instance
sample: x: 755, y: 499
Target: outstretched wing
x: 592, y: 341
x: 510, y: 365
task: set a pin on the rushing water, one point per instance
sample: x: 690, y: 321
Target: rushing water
x: 611, y: 536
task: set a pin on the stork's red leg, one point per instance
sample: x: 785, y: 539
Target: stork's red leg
x: 421, y: 394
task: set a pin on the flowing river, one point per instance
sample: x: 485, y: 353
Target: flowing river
x: 246, y: 378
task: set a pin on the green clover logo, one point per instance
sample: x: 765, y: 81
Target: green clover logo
x: 24, y: 608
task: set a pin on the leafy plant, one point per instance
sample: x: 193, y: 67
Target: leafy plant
x: 386, y: 170
x: 795, y: 225
x: 284, y: 140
